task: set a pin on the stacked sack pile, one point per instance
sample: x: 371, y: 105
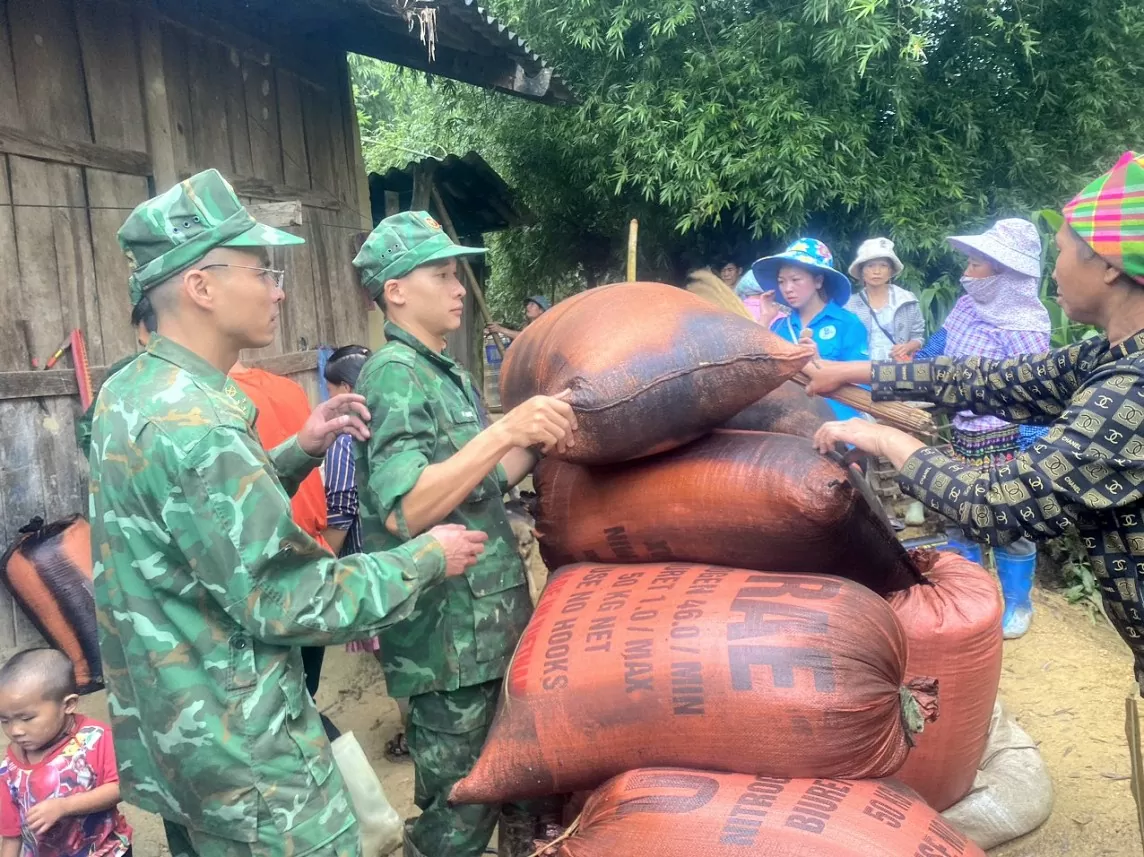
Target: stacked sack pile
x: 733, y: 648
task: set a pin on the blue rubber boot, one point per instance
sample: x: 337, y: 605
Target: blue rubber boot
x: 958, y: 542
x: 1016, y: 564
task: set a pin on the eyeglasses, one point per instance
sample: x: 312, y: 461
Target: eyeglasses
x: 271, y: 275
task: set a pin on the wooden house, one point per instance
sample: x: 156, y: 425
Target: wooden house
x: 104, y: 103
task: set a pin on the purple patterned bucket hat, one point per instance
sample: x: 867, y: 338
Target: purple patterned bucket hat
x: 1013, y: 243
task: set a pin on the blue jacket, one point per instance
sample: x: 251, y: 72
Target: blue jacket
x: 839, y: 335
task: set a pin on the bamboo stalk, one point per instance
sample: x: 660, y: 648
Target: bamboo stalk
x: 633, y: 234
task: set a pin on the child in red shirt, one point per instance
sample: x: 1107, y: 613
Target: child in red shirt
x: 59, y: 786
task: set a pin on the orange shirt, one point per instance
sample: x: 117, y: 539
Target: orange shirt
x: 283, y: 409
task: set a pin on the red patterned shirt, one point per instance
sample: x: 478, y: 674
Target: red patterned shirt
x: 80, y: 764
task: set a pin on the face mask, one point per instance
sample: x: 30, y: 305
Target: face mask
x: 983, y: 290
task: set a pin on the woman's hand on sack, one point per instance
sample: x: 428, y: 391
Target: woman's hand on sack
x: 870, y: 437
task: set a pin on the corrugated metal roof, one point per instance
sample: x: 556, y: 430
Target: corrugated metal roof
x: 467, y: 27
x: 457, y: 39
x: 478, y: 199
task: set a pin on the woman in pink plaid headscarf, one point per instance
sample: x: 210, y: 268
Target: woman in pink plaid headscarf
x: 1000, y: 315
x: 1085, y: 476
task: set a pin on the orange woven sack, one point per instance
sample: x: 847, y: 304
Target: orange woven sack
x: 953, y: 624
x: 743, y: 499
x: 48, y: 570
x: 650, y: 367
x: 703, y: 667
x: 698, y: 814
x: 787, y: 410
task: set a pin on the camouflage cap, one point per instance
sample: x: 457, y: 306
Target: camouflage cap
x: 171, y: 232
x: 401, y: 243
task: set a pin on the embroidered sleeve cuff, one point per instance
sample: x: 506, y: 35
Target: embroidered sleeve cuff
x: 892, y: 380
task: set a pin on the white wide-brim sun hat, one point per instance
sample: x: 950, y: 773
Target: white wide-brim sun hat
x: 871, y: 249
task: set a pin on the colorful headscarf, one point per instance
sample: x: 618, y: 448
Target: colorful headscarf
x: 1109, y: 215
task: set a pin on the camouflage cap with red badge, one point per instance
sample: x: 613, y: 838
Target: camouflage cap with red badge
x: 402, y: 242
x: 173, y: 231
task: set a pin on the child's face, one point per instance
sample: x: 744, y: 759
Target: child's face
x: 30, y: 721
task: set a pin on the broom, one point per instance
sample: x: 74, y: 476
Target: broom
x: 706, y: 285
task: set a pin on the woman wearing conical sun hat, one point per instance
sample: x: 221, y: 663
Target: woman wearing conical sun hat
x: 1085, y: 475
x: 999, y: 316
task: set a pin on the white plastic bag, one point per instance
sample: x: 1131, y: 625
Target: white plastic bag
x: 1012, y: 794
x: 378, y: 822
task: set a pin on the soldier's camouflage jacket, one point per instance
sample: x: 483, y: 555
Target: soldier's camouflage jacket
x: 425, y: 408
x: 205, y: 588
x: 83, y: 424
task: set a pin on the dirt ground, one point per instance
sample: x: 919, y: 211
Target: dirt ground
x: 1065, y: 682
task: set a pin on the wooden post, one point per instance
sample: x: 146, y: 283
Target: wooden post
x: 1135, y: 735
x: 157, y: 111
x: 447, y: 221
x: 633, y: 234
x: 423, y: 186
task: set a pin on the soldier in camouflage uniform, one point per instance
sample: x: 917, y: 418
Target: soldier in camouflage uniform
x: 204, y: 586
x: 433, y: 457
x: 143, y: 320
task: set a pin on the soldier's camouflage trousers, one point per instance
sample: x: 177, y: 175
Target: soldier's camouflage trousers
x: 446, y: 731
x: 330, y: 833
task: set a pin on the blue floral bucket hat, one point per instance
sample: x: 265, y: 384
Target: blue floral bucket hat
x: 807, y: 253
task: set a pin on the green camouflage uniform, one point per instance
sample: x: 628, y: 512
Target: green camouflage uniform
x: 451, y: 652
x: 83, y: 424
x: 205, y: 588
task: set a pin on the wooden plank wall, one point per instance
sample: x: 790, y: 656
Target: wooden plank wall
x: 85, y: 134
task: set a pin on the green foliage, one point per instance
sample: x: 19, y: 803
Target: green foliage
x: 1069, y: 559
x: 732, y: 126
x: 1065, y: 331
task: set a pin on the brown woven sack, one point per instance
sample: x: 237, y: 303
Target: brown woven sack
x: 699, y: 814
x: 787, y: 410
x: 743, y: 499
x: 953, y: 624
x: 703, y: 667
x: 650, y: 367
